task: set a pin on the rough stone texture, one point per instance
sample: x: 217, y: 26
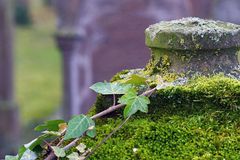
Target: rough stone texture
x: 193, y: 34
x: 193, y: 45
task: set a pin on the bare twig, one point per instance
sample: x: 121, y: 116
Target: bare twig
x: 114, y: 99
x: 71, y: 144
x: 49, y: 145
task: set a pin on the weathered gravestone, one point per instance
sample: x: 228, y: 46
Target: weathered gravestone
x: 194, y: 46
x: 9, y: 122
x: 101, y: 37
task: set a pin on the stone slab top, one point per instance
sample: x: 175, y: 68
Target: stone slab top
x: 193, y: 34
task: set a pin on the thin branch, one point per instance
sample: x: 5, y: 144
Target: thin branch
x: 114, y: 99
x: 106, y: 138
x: 109, y: 110
x: 71, y: 144
x: 49, y: 145
x: 52, y: 155
x: 60, y: 142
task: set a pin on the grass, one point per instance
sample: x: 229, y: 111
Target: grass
x: 38, y: 67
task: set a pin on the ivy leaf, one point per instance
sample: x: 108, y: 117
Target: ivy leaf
x: 8, y: 157
x: 78, y: 125
x: 21, y: 150
x: 51, y: 125
x: 91, y: 131
x: 59, y: 152
x: 73, y: 156
x: 31, y: 145
x: 134, y: 103
x: 81, y: 148
x: 110, y: 88
x: 136, y: 80
x: 28, y: 155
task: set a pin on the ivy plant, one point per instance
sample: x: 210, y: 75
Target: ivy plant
x: 56, y: 132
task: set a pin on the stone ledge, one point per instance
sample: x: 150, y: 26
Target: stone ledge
x: 193, y: 34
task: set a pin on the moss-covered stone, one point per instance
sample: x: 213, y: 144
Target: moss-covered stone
x: 218, y: 90
x: 198, y: 120
x: 193, y: 46
x: 189, y: 63
x: 198, y: 132
x: 192, y: 34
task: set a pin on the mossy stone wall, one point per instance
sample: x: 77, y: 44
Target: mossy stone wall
x: 198, y: 120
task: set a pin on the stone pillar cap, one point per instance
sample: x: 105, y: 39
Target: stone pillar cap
x: 193, y: 34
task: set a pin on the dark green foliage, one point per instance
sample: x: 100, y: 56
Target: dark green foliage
x: 51, y: 125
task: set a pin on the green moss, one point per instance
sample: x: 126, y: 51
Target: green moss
x: 199, y: 121
x: 217, y: 90
x: 159, y: 62
x: 118, y: 75
x: 198, y: 132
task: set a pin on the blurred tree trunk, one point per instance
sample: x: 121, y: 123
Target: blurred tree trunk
x: 9, y: 127
x: 22, y: 12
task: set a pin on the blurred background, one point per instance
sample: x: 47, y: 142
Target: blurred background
x: 51, y: 51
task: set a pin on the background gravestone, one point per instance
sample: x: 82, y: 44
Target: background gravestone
x: 9, y: 122
x: 227, y: 10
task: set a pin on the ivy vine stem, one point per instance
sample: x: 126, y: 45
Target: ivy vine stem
x: 98, y: 115
x: 114, y: 99
x: 113, y: 108
x: 106, y: 138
